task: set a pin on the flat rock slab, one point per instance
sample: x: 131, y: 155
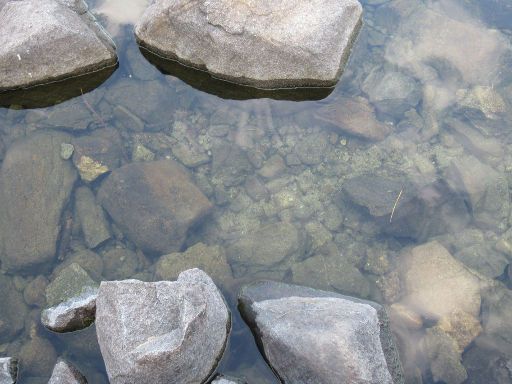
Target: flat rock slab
x: 154, y: 203
x: 162, y: 332
x: 65, y: 373
x: 35, y: 185
x: 8, y: 370
x: 313, y: 336
x: 43, y: 41
x: 266, y: 44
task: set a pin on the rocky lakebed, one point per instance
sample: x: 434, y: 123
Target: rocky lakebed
x: 258, y: 192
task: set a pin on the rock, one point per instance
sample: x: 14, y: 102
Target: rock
x: 65, y: 373
x: 311, y: 150
x: 266, y: 248
x: 120, y: 263
x: 71, y: 298
x: 273, y: 167
x: 298, y: 44
x: 34, y: 291
x: 91, y: 262
x: 37, y: 357
x: 221, y: 379
x: 97, y: 154
x: 92, y: 219
x: 35, y: 185
x: 486, y: 365
x: 12, y: 310
x: 8, y: 370
x: 483, y: 98
x: 154, y: 204
x: 211, y: 259
x: 45, y: 41
x: 312, y: 336
x: 66, y: 151
x: 141, y: 153
x: 230, y: 164
x: 161, y: 332
x: 356, y: 117
x: 496, y: 312
x: 483, y: 259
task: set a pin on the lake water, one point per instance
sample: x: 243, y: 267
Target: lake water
x: 435, y: 76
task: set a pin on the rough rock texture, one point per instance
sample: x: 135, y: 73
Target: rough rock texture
x: 8, y: 370
x: 44, y: 41
x: 270, y: 44
x: 92, y: 219
x: 312, y: 336
x: 66, y: 373
x: 153, y: 203
x: 12, y: 309
x: 35, y: 185
x: 161, y: 332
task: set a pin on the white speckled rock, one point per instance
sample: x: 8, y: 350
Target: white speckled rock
x: 262, y: 43
x: 161, y: 332
x: 8, y: 370
x: 311, y: 336
x: 66, y: 373
x: 47, y: 40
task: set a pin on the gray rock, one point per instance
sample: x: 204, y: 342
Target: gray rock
x: 496, y: 312
x: 12, y: 310
x: 312, y: 336
x: 8, y: 370
x: 71, y: 298
x: 38, y: 357
x: 119, y: 264
x: 45, y: 41
x: 483, y: 259
x: 35, y: 185
x: 92, y: 218
x: 221, y: 379
x: 65, y: 373
x: 266, y: 248
x: 153, y: 203
x: 162, y: 332
x: 297, y: 43
x: 230, y: 164
x: 91, y: 262
x: 66, y: 150
x: 34, y: 291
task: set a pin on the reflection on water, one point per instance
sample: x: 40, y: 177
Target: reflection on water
x: 395, y: 187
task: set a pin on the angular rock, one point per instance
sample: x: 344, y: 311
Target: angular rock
x: 297, y: 43
x: 46, y: 41
x: 221, y: 379
x: 94, y: 225
x: 65, y: 373
x: 34, y: 291
x: 355, y: 117
x: 154, y: 204
x: 71, y: 298
x: 312, y: 336
x: 230, y: 164
x: 161, y: 332
x: 12, y: 310
x: 8, y: 370
x: 120, y: 263
x: 35, y: 185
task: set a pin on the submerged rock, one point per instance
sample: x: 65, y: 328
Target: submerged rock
x: 35, y: 185
x: 92, y: 218
x: 38, y: 357
x: 153, y: 203
x: 221, y: 379
x: 8, y: 370
x: 12, y: 310
x: 297, y: 43
x: 312, y: 336
x: 65, y: 373
x: 45, y: 41
x: 162, y: 332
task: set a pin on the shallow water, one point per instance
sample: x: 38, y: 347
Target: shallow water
x: 436, y: 73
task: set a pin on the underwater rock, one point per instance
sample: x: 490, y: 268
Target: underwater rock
x: 496, y: 312
x: 230, y: 164
x: 12, y: 310
x: 298, y: 43
x: 37, y: 357
x: 313, y: 336
x: 119, y: 264
x: 153, y: 203
x: 65, y: 373
x: 8, y: 370
x: 34, y: 291
x: 91, y: 262
x: 94, y: 225
x: 356, y: 117
x: 162, y: 332
x: 35, y: 185
x: 46, y: 41
x: 221, y: 379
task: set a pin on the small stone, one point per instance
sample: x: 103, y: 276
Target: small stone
x: 65, y: 373
x: 273, y: 167
x: 141, y: 153
x: 8, y: 370
x: 66, y: 151
x: 403, y: 315
x: 92, y: 218
x: 34, y: 291
x: 90, y: 169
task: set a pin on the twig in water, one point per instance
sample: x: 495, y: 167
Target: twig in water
x: 90, y: 108
x: 394, y: 206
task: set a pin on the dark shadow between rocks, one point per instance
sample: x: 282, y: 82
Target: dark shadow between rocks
x: 46, y: 95
x: 205, y: 82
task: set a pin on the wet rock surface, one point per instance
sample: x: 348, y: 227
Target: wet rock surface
x: 312, y: 55
x: 157, y: 196
x: 309, y: 335
x: 92, y: 219
x: 65, y: 373
x: 163, y: 331
x: 44, y: 41
x: 35, y: 185
x: 8, y: 370
x: 13, y: 309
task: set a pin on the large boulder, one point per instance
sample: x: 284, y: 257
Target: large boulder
x: 46, y: 41
x: 268, y: 44
x: 35, y: 185
x: 153, y: 203
x: 313, y: 336
x: 162, y: 332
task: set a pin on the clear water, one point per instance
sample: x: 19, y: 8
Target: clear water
x: 436, y: 72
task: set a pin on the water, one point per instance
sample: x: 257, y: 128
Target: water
x: 437, y: 73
